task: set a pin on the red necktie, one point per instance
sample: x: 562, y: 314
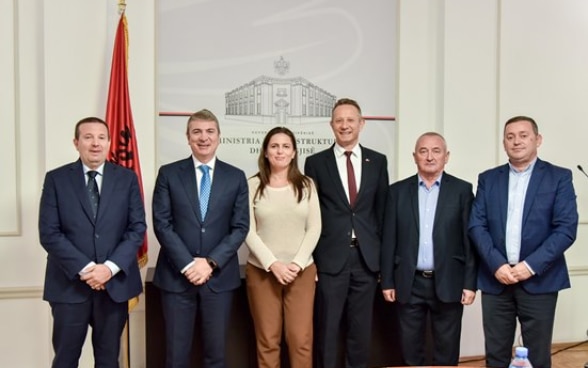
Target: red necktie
x: 351, y: 179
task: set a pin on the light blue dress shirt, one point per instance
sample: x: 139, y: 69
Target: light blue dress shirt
x: 518, y: 182
x: 427, y: 208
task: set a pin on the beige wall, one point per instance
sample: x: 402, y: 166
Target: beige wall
x: 465, y: 67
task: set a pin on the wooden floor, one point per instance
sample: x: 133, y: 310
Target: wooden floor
x: 572, y: 355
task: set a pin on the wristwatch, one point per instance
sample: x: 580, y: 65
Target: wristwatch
x: 212, y: 263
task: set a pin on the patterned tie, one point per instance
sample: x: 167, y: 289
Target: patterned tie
x: 204, y: 189
x: 351, y: 179
x: 93, y: 193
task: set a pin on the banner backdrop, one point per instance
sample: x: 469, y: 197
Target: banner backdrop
x: 258, y: 64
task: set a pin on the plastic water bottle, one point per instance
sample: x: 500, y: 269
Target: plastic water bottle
x: 521, y: 358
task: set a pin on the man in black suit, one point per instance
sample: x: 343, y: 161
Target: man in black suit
x: 200, y: 217
x: 91, y: 223
x: 428, y: 265
x: 352, y: 182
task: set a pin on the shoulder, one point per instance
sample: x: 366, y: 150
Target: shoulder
x: 222, y: 166
x: 455, y: 181
x: 116, y: 169
x: 321, y: 155
x: 558, y: 170
x: 404, y: 183
x: 253, y: 181
x: 369, y: 155
x: 494, y: 172
x: 177, y: 165
x: 64, y: 169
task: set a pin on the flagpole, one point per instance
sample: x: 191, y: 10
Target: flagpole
x: 126, y: 345
x: 122, y: 6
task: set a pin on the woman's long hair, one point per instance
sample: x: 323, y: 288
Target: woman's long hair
x: 299, y: 181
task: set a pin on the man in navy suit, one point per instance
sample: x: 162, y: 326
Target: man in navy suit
x: 200, y: 217
x: 428, y: 263
x: 92, y: 268
x: 523, y: 219
x: 352, y: 182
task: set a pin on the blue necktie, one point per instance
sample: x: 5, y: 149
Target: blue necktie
x: 92, y: 187
x: 204, y: 189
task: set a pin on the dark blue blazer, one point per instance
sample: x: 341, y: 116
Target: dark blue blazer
x: 73, y: 239
x: 183, y: 235
x: 338, y: 218
x: 550, y: 222
x: 455, y: 257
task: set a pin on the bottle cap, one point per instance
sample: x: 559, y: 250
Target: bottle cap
x: 521, y: 351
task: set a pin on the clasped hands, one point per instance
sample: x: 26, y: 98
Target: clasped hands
x: 284, y: 273
x: 509, y: 275
x: 467, y: 296
x: 200, y: 271
x: 96, y: 276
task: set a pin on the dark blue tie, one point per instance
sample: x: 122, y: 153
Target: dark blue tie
x: 93, y: 193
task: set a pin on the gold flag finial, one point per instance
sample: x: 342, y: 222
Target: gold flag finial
x: 122, y: 5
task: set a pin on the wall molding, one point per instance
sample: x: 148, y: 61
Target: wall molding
x: 29, y: 292
x: 578, y: 271
x: 36, y: 292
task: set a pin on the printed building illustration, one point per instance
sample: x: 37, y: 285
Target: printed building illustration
x: 279, y: 100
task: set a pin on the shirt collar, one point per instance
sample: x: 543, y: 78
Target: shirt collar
x: 528, y: 169
x: 210, y: 163
x: 99, y: 169
x: 340, y: 151
x: 437, y: 181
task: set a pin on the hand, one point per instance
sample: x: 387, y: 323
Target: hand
x: 97, y: 276
x: 389, y: 295
x: 467, y: 297
x: 505, y: 275
x: 283, y: 273
x: 521, y: 272
x: 294, y: 268
x: 200, y: 272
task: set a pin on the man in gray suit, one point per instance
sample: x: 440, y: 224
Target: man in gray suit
x: 428, y: 264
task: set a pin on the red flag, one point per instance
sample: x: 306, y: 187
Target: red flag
x: 123, y: 148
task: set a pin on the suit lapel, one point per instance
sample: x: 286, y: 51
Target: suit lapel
x: 333, y: 173
x: 219, y: 182
x: 187, y: 174
x: 534, y: 182
x: 413, y: 191
x: 78, y: 183
x: 366, y: 172
x: 108, y: 186
x: 444, y: 194
x: 502, y: 184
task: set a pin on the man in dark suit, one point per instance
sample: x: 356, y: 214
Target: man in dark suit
x: 352, y: 182
x: 428, y: 264
x: 523, y: 219
x: 197, y: 268
x: 91, y: 223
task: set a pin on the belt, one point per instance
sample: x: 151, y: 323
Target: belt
x: 354, y: 243
x: 425, y: 274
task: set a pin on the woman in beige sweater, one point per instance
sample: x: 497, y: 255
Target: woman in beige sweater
x: 285, y: 227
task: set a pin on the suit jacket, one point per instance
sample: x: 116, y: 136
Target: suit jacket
x: 183, y: 235
x: 339, y: 219
x: 454, y: 256
x: 550, y: 222
x: 73, y: 239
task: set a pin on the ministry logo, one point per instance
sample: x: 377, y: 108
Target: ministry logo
x: 279, y: 100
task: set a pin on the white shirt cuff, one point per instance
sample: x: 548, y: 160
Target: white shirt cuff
x: 114, y: 269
